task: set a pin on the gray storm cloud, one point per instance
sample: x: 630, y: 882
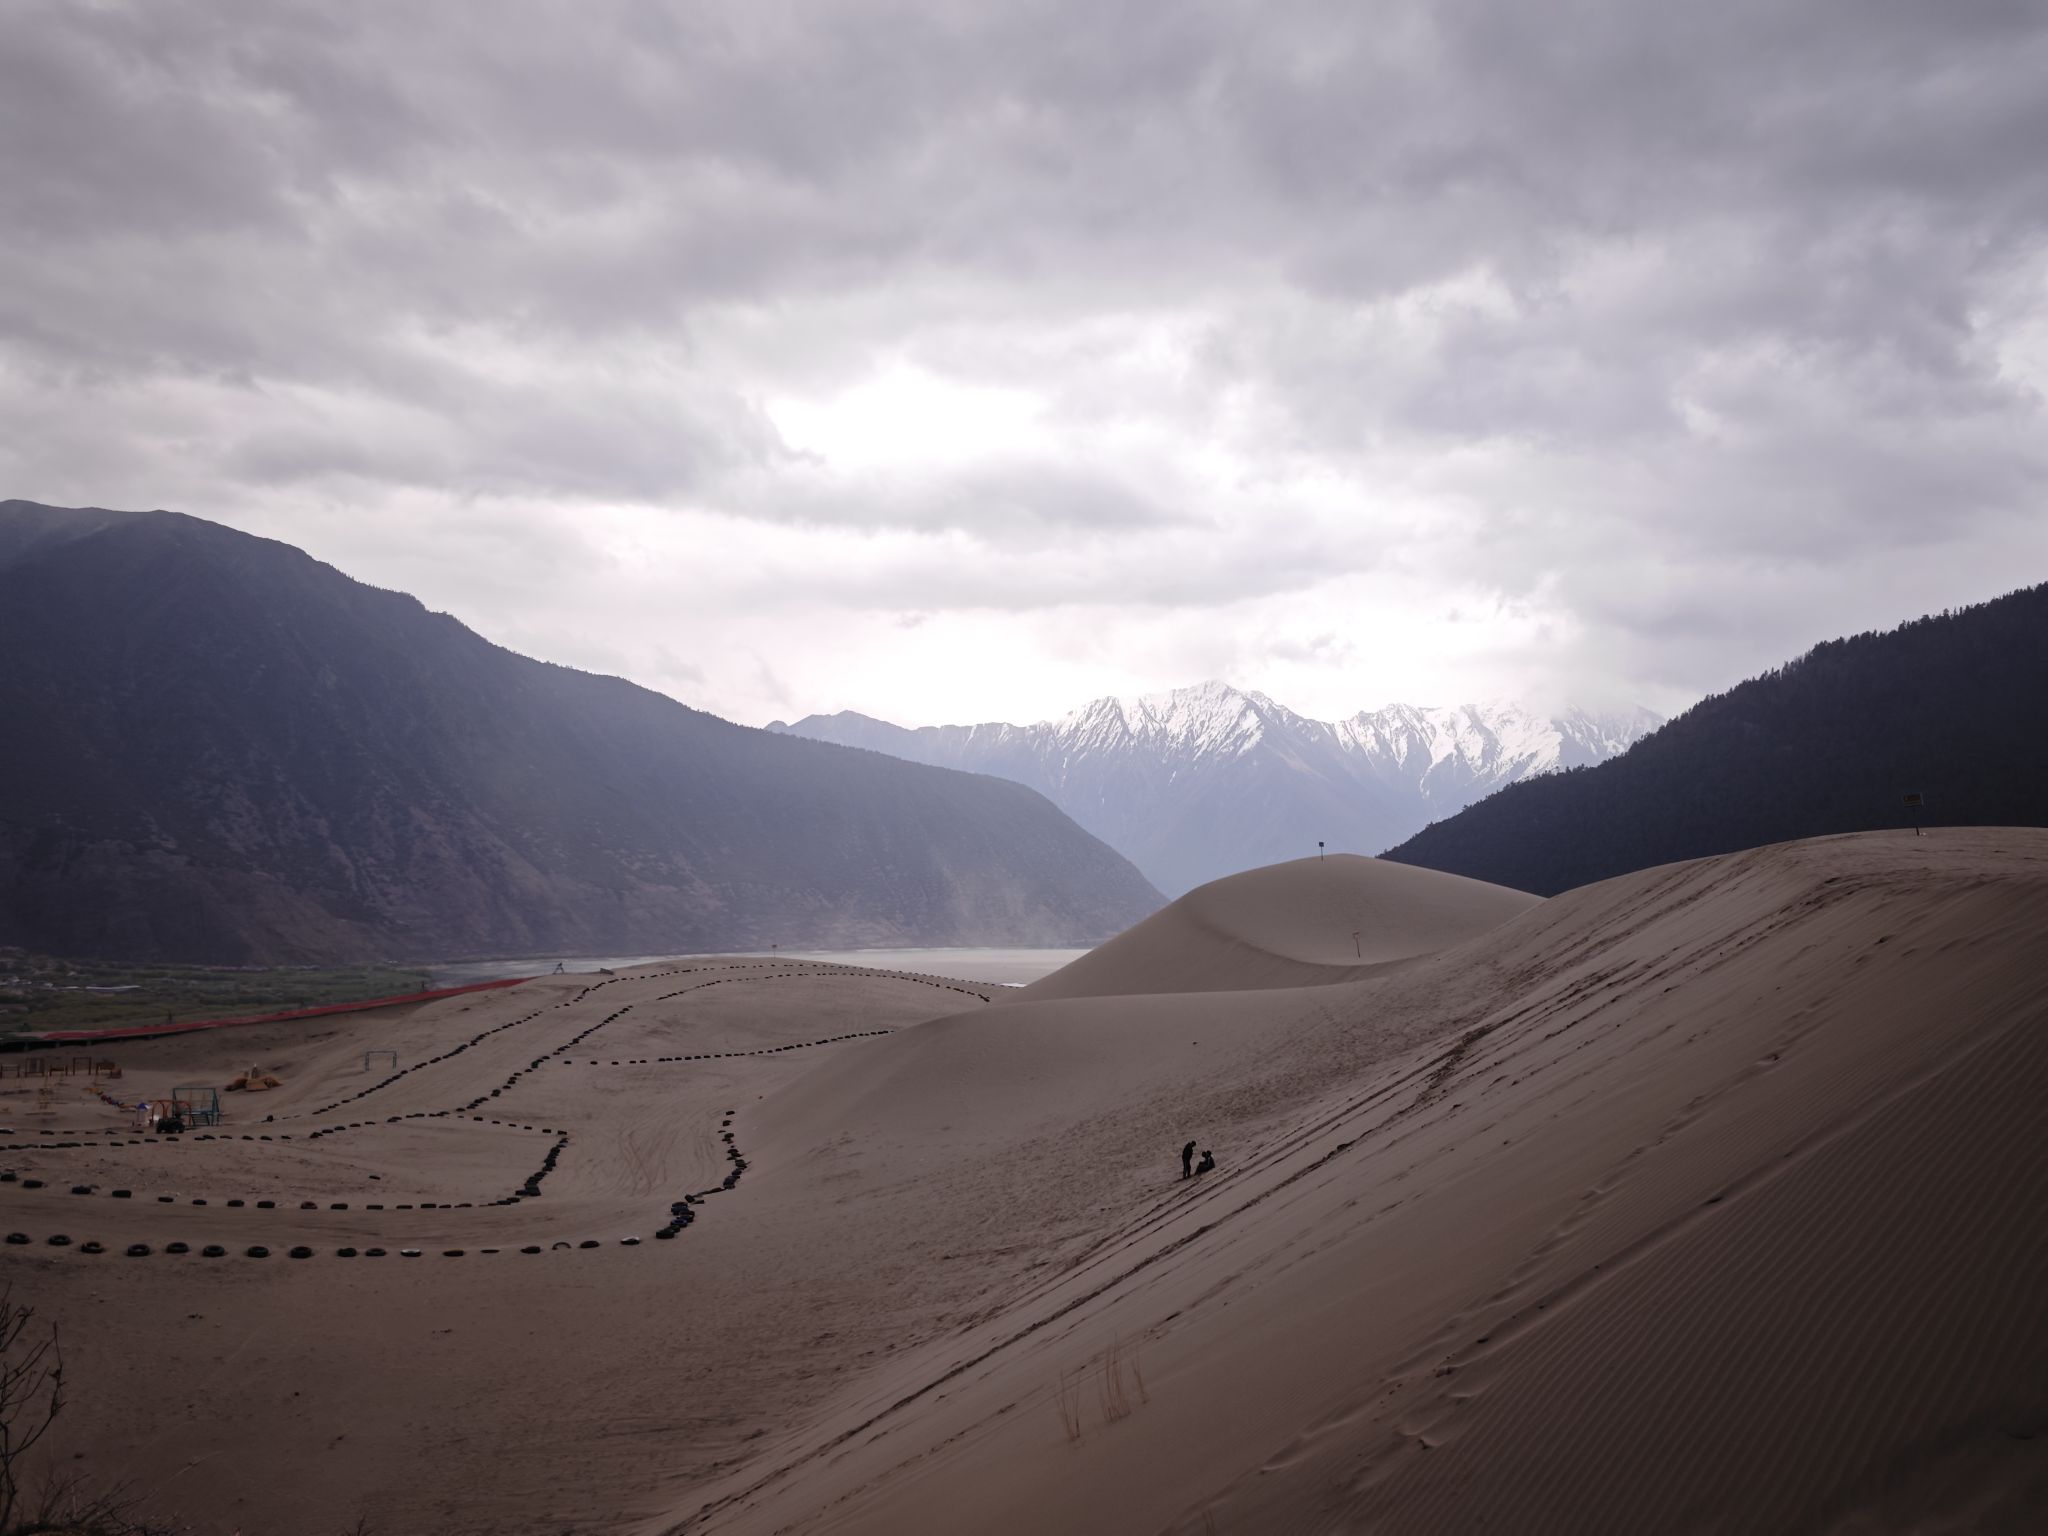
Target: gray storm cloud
x: 1689, y: 334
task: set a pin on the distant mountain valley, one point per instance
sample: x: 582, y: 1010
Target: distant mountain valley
x: 1205, y: 781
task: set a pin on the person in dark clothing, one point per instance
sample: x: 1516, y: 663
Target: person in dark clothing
x: 1187, y: 1160
x: 1208, y: 1161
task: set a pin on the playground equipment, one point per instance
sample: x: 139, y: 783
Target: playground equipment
x: 196, y: 1103
x: 387, y: 1058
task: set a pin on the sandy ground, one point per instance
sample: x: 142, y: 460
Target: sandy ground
x: 1710, y: 1198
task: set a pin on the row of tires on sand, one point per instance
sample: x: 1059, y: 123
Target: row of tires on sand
x: 457, y: 1050
x: 681, y: 1213
x: 10, y: 1177
x: 765, y: 1050
x: 258, y: 1251
x: 580, y: 1036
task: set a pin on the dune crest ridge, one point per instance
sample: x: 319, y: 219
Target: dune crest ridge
x: 1306, y: 922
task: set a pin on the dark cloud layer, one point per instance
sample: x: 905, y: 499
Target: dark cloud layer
x: 1673, y: 337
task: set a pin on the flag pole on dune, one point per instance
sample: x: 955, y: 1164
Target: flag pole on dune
x: 1319, y: 850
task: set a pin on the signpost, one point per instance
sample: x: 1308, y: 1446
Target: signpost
x: 1916, y: 802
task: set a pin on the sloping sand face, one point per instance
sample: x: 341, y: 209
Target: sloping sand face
x: 1711, y: 1198
x: 1303, y: 923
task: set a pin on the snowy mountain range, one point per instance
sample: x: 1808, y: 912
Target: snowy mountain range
x: 1204, y: 781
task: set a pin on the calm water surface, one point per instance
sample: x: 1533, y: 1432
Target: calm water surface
x: 1005, y: 967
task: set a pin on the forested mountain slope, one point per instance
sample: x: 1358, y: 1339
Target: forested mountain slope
x: 1950, y: 707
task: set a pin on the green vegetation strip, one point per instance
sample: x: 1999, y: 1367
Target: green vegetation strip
x: 39, y: 994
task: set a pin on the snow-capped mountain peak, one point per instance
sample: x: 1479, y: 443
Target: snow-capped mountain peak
x: 1201, y: 781
x: 1205, y: 718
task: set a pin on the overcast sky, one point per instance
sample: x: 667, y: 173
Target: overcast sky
x: 967, y: 361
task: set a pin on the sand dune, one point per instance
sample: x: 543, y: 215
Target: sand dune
x: 1710, y: 1198
x: 1297, y: 924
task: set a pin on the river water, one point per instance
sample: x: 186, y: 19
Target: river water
x: 1003, y: 967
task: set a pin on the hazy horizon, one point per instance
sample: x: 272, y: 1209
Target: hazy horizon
x: 1198, y: 684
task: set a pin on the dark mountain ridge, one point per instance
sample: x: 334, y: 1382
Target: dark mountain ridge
x: 1948, y: 707
x: 222, y: 750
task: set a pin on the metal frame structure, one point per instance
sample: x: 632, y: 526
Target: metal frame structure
x: 196, y: 1103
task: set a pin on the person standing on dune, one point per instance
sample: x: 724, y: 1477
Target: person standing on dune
x: 1187, y: 1161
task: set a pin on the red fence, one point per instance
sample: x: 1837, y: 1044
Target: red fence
x: 151, y: 1031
